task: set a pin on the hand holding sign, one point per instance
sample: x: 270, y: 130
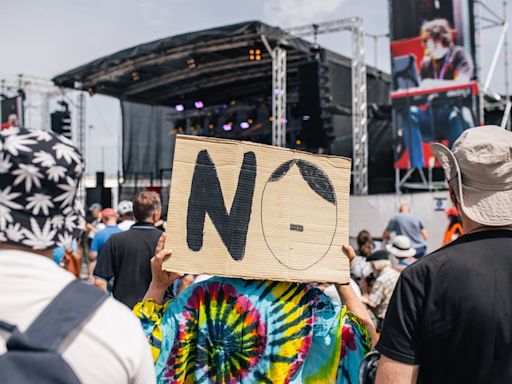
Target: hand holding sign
x: 160, y: 279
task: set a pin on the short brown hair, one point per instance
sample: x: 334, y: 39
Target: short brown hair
x: 145, y: 204
x: 363, y: 237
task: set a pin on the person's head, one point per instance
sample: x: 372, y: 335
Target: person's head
x: 95, y: 210
x: 125, y: 210
x: 363, y: 237
x: 478, y: 169
x: 379, y: 260
x: 453, y: 215
x: 401, y: 247
x: 12, y: 120
x: 39, y: 176
x: 147, y: 207
x: 109, y: 216
x: 437, y: 37
x: 185, y: 282
x: 365, y: 250
x: 404, y: 208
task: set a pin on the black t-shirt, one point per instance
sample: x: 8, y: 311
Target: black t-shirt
x: 126, y: 257
x: 451, y: 312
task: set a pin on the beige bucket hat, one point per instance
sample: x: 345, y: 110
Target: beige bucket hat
x: 479, y: 169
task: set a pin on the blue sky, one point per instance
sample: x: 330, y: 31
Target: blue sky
x: 50, y: 37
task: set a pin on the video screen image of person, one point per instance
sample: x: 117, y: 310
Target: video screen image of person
x: 443, y: 60
x: 437, y: 121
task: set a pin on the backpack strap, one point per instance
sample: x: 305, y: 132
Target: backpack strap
x: 7, y: 327
x: 65, y: 312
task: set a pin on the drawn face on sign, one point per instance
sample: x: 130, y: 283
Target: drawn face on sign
x: 298, y: 235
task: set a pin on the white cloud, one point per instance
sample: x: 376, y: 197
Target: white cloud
x: 286, y: 13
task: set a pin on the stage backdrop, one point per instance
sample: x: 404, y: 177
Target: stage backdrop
x: 434, y: 88
x: 255, y: 211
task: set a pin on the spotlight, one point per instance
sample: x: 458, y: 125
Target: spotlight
x: 227, y: 127
x: 135, y: 76
x: 250, y: 121
x: 191, y: 63
x: 199, y: 104
x: 179, y: 107
x: 255, y: 54
x: 244, y: 125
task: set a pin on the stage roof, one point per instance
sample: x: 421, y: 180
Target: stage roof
x: 210, y: 65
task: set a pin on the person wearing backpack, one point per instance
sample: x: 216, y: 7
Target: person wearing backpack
x: 53, y: 327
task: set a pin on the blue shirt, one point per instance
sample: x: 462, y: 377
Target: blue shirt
x: 58, y: 252
x: 101, y: 237
x: 409, y: 225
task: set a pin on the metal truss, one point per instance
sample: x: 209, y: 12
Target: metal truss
x: 278, y: 54
x: 36, y: 92
x: 359, y: 92
x: 279, y: 97
x: 359, y: 111
x: 493, y: 20
x: 80, y: 127
x: 80, y: 139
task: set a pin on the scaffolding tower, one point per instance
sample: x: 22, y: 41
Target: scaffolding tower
x: 359, y: 91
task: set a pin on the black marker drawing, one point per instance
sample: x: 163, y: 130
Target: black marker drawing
x: 318, y: 182
x: 206, y: 197
x: 314, y: 176
x: 296, y: 227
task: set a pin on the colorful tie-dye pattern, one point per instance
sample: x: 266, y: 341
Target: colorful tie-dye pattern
x: 239, y: 331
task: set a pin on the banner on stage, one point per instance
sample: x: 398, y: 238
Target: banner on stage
x: 254, y: 211
x: 434, y: 85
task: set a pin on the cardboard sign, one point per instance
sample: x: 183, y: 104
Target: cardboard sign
x: 254, y: 211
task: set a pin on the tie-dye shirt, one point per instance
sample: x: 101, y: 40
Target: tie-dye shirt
x: 241, y: 331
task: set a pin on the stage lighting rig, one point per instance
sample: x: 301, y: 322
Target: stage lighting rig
x: 255, y: 54
x: 191, y: 63
x: 135, y: 76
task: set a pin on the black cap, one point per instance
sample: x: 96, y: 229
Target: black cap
x: 378, y: 255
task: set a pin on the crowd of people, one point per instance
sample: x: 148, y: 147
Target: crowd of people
x: 443, y: 317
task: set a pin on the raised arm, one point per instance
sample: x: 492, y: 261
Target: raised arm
x: 352, y: 302
x: 161, y: 280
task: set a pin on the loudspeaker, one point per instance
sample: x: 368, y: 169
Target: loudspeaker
x: 310, y: 110
x: 98, y: 195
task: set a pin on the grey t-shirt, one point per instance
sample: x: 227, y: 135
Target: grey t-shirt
x: 409, y: 225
